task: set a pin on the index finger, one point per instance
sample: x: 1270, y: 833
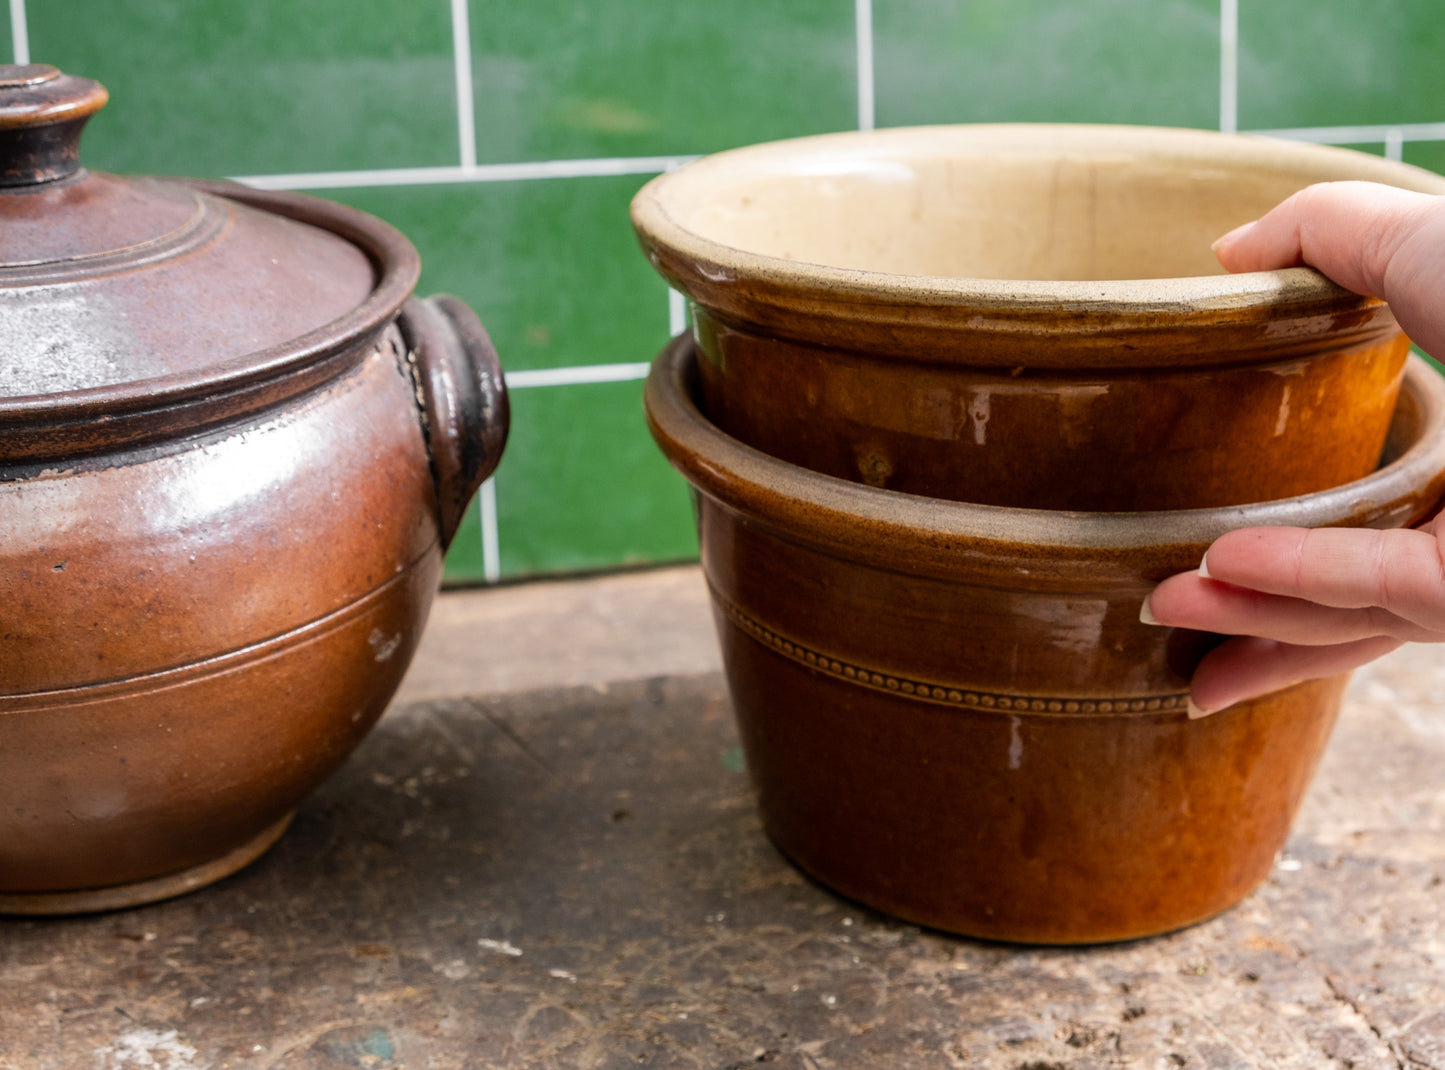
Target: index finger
x: 1399, y: 570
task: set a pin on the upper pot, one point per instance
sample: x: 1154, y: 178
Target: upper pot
x: 1027, y: 315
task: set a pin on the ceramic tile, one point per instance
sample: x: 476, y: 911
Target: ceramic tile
x: 1427, y: 154
x: 554, y: 271
x: 561, y: 79
x: 259, y: 87
x: 582, y: 486
x: 1340, y: 62
x: 1110, y: 61
x: 551, y: 267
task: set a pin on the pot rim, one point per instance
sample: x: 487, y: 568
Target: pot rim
x: 906, y: 532
x: 247, y: 382
x: 746, y: 286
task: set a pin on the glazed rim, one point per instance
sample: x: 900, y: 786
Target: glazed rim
x: 665, y: 210
x: 906, y: 532
x: 190, y: 398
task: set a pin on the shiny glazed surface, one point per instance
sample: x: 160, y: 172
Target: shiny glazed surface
x: 952, y: 712
x: 154, y: 560
x: 1026, y: 315
x: 1090, y: 439
x: 195, y: 635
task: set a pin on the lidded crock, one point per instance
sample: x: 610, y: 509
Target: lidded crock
x: 233, y: 448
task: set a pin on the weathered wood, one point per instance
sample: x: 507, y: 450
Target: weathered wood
x: 578, y: 879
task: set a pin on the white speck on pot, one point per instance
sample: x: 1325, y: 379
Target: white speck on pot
x: 381, y: 646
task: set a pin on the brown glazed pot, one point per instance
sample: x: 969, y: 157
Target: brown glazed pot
x: 951, y: 712
x: 1026, y: 315
x: 232, y: 451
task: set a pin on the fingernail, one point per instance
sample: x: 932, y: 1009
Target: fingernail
x: 1196, y: 712
x: 1204, y: 567
x: 1146, y: 615
x: 1231, y: 237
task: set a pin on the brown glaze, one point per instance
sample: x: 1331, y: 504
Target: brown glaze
x: 1026, y: 316
x: 1058, y: 439
x: 229, y: 467
x: 953, y: 713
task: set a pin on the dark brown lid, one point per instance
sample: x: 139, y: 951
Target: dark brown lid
x: 119, y: 295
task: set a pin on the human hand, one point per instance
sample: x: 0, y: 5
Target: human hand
x: 1303, y: 604
x: 1375, y: 240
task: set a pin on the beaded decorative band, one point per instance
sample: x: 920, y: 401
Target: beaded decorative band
x: 948, y: 695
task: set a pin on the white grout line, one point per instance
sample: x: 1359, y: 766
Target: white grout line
x: 1229, y: 66
x: 1358, y: 135
x: 577, y: 375
x: 863, y: 17
x: 486, y: 172
x: 19, y: 32
x: 491, y: 544
x: 462, y: 60
x: 1394, y: 144
x: 676, y: 313
x: 650, y: 165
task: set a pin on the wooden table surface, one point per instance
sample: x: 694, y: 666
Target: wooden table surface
x: 517, y: 875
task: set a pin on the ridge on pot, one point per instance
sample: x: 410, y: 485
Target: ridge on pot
x: 951, y: 712
x: 233, y: 448
x: 1026, y: 315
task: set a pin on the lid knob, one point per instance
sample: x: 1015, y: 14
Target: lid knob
x: 42, y: 112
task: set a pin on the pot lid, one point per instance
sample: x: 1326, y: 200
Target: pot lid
x: 119, y: 294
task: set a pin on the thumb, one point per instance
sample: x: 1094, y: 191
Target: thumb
x: 1350, y: 231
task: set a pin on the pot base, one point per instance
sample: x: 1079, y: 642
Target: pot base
x: 153, y: 890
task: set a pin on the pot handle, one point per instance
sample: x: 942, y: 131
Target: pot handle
x: 462, y: 397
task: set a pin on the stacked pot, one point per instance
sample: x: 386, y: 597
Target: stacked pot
x: 954, y: 400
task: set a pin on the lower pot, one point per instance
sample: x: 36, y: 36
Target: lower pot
x: 952, y: 713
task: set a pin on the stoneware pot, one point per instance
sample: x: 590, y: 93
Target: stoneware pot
x: 232, y: 451
x: 952, y: 713
x: 1026, y: 315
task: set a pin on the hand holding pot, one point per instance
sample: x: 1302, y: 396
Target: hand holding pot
x: 1301, y: 603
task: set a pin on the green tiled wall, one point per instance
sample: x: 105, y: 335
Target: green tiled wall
x: 546, y: 264
x: 575, y: 103
x: 210, y: 87
x: 1096, y: 61
x: 1339, y: 62
x: 567, y: 78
